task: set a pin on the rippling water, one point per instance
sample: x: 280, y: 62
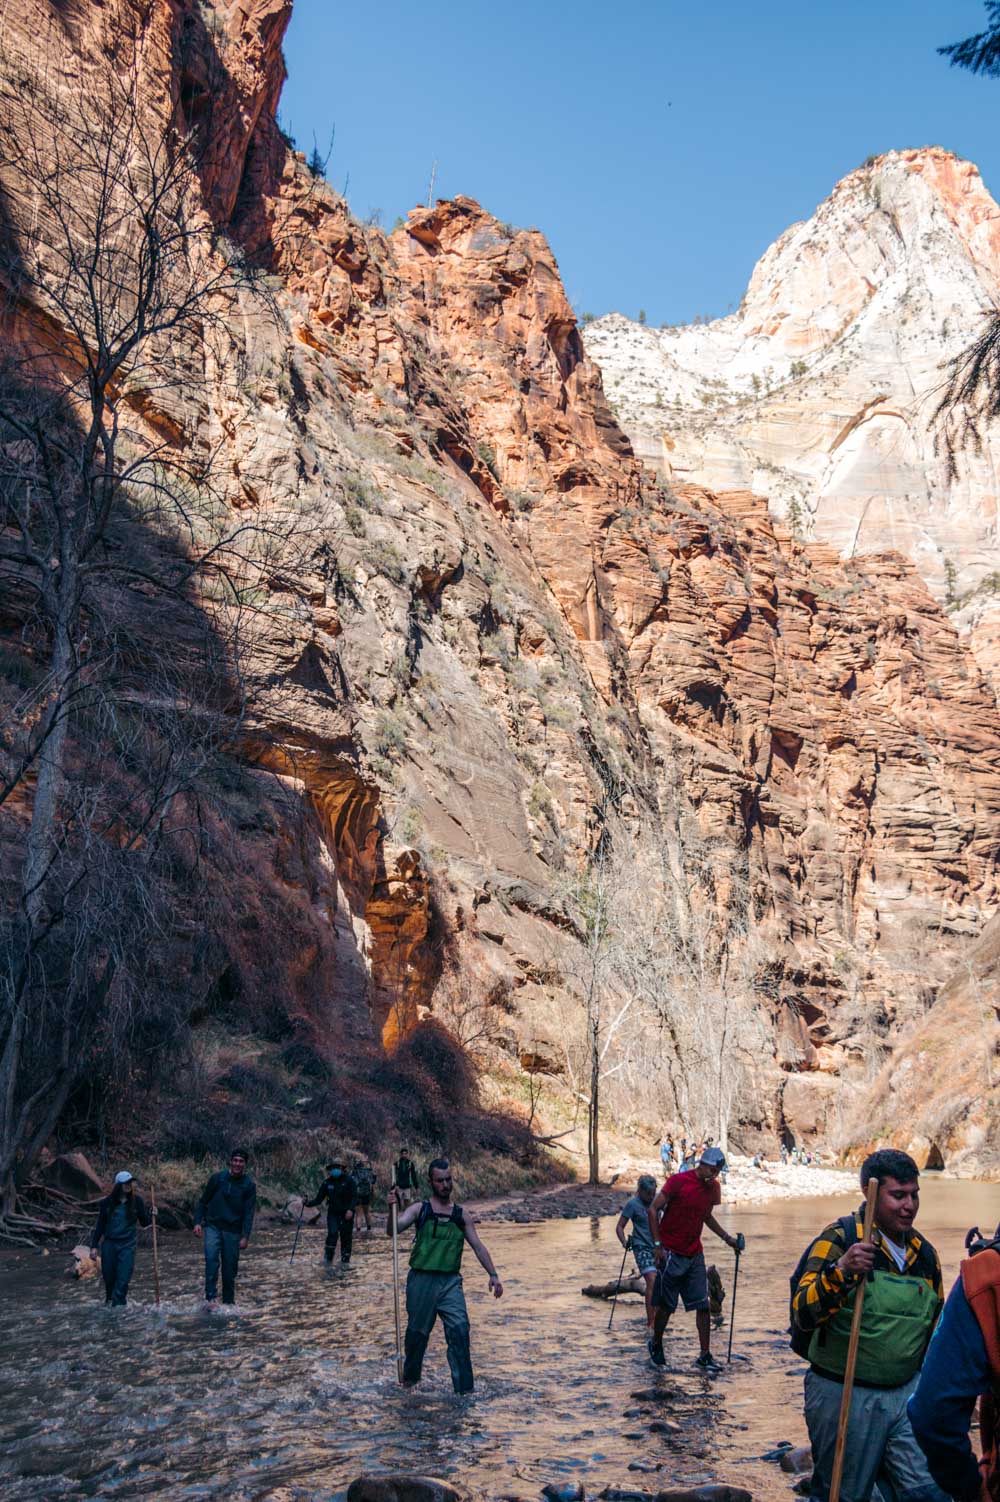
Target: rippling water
x: 295, y: 1394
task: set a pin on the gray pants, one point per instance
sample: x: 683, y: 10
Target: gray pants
x: 880, y: 1450
x: 429, y: 1295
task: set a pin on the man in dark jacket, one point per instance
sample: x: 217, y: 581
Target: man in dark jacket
x: 406, y: 1179
x: 224, y: 1215
x: 115, y: 1234
x: 955, y: 1373
x: 341, y: 1195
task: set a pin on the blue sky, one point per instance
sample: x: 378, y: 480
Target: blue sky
x: 661, y: 147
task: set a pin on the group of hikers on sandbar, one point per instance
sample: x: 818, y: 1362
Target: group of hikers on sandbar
x: 894, y: 1372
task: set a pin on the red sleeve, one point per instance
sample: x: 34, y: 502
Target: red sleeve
x: 717, y: 1192
x: 668, y: 1182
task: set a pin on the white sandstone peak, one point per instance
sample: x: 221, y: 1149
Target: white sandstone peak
x: 821, y: 389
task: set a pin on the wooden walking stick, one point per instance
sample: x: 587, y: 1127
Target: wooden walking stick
x: 156, y: 1250
x: 852, y: 1355
x: 395, y: 1281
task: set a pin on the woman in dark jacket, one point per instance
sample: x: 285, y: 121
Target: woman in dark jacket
x: 115, y: 1233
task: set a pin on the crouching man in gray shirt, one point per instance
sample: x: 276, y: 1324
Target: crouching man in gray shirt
x: 636, y: 1212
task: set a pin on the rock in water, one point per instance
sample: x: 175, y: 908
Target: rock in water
x: 713, y: 1493
x: 402, y: 1488
x: 563, y: 1491
x: 797, y: 1462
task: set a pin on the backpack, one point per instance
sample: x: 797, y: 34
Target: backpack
x: 981, y: 1282
x: 439, y: 1241
x: 798, y: 1338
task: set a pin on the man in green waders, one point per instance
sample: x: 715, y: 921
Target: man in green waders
x: 434, y: 1282
x: 902, y: 1302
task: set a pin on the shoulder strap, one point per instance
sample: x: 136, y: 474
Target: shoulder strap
x: 425, y: 1214
x: 925, y: 1263
x: 981, y: 1282
x: 458, y: 1216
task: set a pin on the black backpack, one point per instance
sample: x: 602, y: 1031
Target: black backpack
x: 798, y: 1338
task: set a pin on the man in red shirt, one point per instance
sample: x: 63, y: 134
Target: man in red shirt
x: 676, y: 1216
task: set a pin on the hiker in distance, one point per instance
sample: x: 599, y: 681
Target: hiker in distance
x: 115, y: 1233
x: 434, y: 1282
x: 961, y: 1365
x: 364, y: 1177
x: 903, y: 1298
x: 341, y: 1195
x: 675, y: 1218
x: 406, y: 1179
x: 224, y: 1216
x: 636, y: 1212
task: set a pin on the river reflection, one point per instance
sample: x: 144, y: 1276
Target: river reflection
x: 296, y: 1394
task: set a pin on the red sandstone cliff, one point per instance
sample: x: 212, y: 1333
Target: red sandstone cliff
x: 503, y: 615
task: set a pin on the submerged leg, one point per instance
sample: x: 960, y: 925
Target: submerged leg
x: 414, y: 1346
x: 455, y: 1318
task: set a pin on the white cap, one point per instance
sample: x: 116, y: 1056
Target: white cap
x: 124, y: 1177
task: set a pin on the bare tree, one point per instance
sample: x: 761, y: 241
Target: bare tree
x: 123, y: 565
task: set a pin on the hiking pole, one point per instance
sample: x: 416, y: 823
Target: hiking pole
x: 741, y: 1242
x: 852, y: 1355
x: 298, y: 1228
x: 156, y: 1250
x: 395, y: 1281
x: 618, y: 1285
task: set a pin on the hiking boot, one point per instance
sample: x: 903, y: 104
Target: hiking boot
x: 707, y: 1362
x: 655, y: 1349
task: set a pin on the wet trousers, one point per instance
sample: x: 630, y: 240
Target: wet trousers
x: 429, y: 1295
x: 337, y: 1226
x: 117, y: 1262
x: 221, y: 1247
x: 880, y: 1446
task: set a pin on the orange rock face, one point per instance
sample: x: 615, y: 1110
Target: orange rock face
x: 502, y: 616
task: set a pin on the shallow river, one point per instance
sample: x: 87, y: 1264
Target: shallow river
x: 295, y: 1394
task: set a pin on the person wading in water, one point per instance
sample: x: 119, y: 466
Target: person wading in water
x: 341, y: 1195
x: 224, y: 1215
x: 962, y: 1365
x: 676, y: 1216
x: 636, y: 1210
x: 364, y: 1176
x: 115, y: 1234
x: 406, y: 1179
x: 434, y: 1282
x: 903, y: 1298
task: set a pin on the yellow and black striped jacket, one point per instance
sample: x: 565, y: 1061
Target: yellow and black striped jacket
x: 823, y: 1288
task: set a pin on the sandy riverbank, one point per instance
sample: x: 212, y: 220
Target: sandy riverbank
x: 745, y: 1185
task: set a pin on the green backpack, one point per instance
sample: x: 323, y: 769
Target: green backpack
x: 899, y: 1316
x: 439, y: 1242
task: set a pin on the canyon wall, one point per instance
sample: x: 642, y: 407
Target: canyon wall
x: 822, y: 391
x: 501, y: 625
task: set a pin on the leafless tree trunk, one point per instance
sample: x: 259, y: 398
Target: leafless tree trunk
x: 111, y: 536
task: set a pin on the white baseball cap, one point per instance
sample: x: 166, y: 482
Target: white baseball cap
x: 124, y: 1177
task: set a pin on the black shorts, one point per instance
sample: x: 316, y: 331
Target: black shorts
x: 364, y: 1199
